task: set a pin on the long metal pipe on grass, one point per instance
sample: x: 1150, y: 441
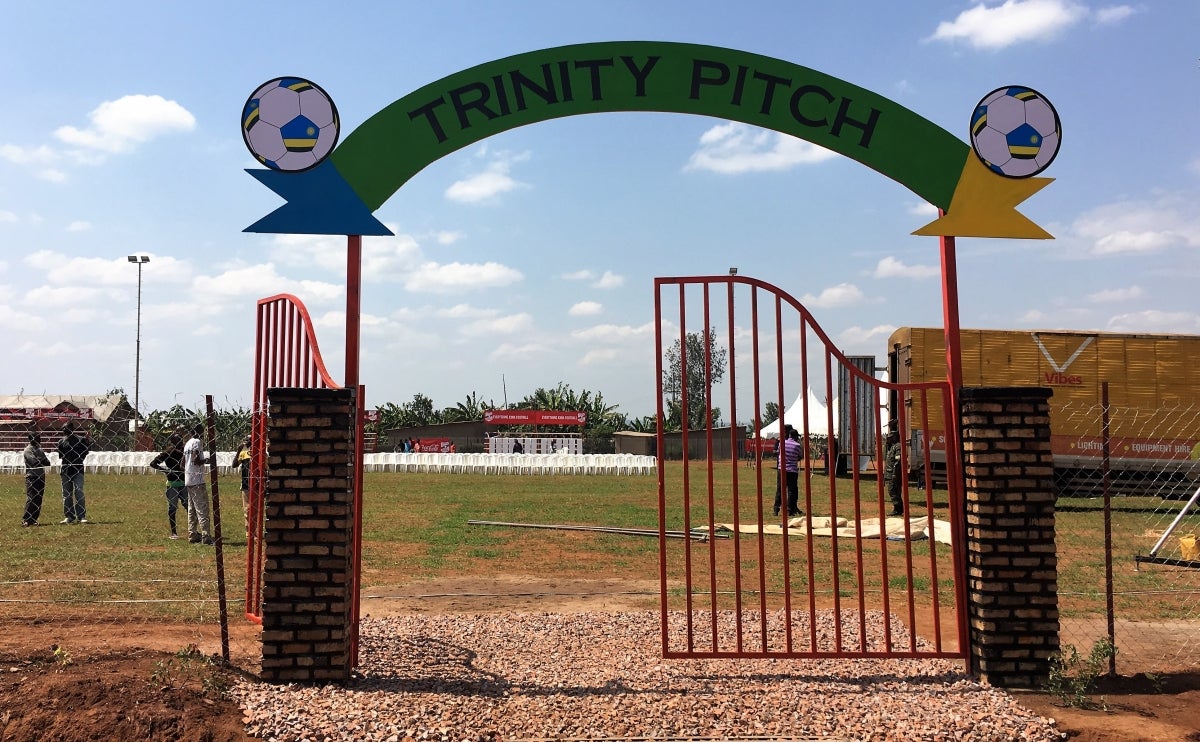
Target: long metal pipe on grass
x: 598, y: 529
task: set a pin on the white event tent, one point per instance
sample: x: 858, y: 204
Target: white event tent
x: 818, y: 417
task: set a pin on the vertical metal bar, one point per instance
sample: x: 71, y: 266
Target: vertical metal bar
x: 661, y: 461
x: 762, y: 554
x: 833, y: 514
x: 708, y: 447
x: 737, y: 509
x: 954, y: 477
x: 360, y: 406
x: 884, y: 571
x: 1105, y: 472
x: 860, y: 572
x: 223, y: 607
x: 353, y: 307
x: 250, y: 604
x: 922, y: 395
x: 781, y: 478
x: 809, y: 542
x: 685, y: 403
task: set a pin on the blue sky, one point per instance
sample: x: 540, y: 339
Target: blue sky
x: 531, y: 256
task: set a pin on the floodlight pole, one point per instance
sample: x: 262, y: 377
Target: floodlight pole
x: 139, y: 260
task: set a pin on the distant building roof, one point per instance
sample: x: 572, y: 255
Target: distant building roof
x: 101, y: 406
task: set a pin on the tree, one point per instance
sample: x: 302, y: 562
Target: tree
x: 471, y: 408
x: 685, y: 362
x: 770, y: 413
x: 231, y: 424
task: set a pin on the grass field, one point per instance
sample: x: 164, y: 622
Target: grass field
x: 415, y: 527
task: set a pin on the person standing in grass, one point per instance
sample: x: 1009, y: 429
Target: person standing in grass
x: 73, y: 449
x: 170, y: 463
x: 891, y: 472
x: 36, y: 462
x: 242, y: 460
x: 194, y: 459
x: 790, y: 451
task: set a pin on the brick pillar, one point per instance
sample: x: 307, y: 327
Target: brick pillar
x: 309, y: 523
x: 1012, y: 566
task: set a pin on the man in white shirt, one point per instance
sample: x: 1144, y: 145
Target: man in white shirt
x: 194, y: 459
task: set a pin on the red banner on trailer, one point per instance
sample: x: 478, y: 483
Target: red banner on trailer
x: 535, y: 417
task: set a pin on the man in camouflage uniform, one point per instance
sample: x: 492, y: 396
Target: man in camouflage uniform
x: 891, y: 471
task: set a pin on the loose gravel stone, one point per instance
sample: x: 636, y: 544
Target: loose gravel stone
x: 600, y: 676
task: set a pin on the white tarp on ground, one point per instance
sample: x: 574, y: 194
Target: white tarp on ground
x: 918, y: 528
x: 818, y: 417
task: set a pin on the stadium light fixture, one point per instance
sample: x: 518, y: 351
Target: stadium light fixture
x: 139, y: 260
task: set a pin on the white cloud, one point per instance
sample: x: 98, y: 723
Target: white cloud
x: 89, y: 272
x: 601, y: 355
x: 581, y: 275
x: 79, y: 226
x: 464, y: 311
x: 492, y: 181
x: 40, y: 159
x: 19, y: 321
x: 1114, y: 14
x: 842, y: 295
x: 510, y: 351
x: 118, y: 126
x: 613, y: 334
x: 1124, y: 241
x: 41, y: 155
x: 1152, y: 320
x: 1013, y: 22
x: 734, y: 148
x: 457, y: 277
x: 61, y: 296
x: 586, y: 309
x: 1109, y: 295
x: 609, y: 280
x: 447, y: 237
x: 890, y: 267
x: 1139, y: 227
x: 7, y: 216
x: 507, y: 325
x: 865, y: 337
x: 923, y: 209
x: 261, y: 279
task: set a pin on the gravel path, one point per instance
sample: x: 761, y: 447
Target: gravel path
x: 600, y: 676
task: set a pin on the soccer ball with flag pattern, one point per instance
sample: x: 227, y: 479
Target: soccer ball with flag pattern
x: 1015, y: 131
x: 290, y: 124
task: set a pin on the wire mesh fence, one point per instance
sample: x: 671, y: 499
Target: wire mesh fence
x: 1128, y: 485
x: 116, y: 560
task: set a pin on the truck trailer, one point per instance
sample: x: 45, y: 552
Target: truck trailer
x: 1153, y: 387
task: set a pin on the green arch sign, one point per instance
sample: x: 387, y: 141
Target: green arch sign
x: 340, y: 195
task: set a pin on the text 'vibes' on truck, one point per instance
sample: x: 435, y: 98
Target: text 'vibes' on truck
x: 1153, y: 396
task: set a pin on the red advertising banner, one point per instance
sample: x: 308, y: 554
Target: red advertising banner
x: 433, y: 445
x: 38, y: 413
x: 535, y: 417
x: 761, y: 445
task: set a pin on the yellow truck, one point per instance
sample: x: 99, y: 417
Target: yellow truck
x: 1153, y: 396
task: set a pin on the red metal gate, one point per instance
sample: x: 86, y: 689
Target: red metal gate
x: 842, y: 580
x: 286, y: 355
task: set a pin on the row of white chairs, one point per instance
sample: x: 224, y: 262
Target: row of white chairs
x: 107, y: 462
x: 138, y: 462
x: 511, y: 463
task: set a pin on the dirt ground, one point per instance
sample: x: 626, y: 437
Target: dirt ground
x: 116, y: 682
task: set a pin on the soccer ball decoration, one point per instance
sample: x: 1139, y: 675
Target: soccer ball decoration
x: 1015, y: 131
x: 290, y: 124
